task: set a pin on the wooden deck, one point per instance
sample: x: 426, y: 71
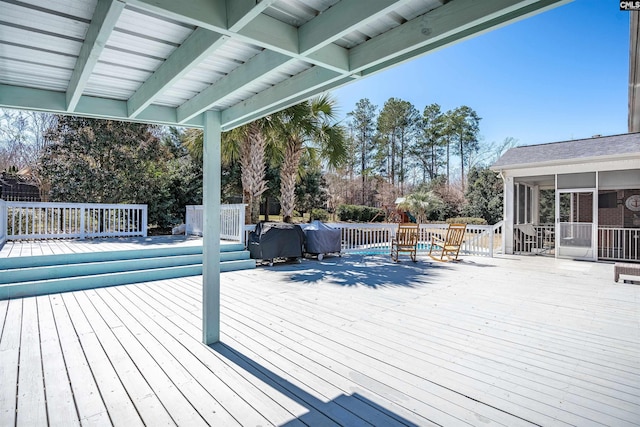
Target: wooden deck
x: 346, y: 341
x: 69, y: 246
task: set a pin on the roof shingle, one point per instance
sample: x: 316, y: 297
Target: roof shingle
x: 571, y: 151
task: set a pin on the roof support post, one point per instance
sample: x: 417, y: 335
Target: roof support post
x: 211, y: 228
x: 509, y: 212
x: 535, y: 204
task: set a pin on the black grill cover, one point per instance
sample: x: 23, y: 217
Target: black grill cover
x: 322, y: 239
x: 276, y: 240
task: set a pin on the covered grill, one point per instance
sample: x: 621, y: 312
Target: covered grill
x: 322, y: 239
x: 272, y: 240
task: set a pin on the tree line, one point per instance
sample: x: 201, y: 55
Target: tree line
x: 102, y: 161
x: 397, y: 151
x: 302, y: 157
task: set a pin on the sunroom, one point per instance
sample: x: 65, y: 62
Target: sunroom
x: 576, y: 199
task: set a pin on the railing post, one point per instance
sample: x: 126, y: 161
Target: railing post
x: 188, y: 220
x: 82, y: 222
x: 145, y: 220
x: 241, y: 219
x: 3, y: 222
x: 491, y: 237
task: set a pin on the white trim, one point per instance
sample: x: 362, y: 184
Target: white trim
x: 569, y: 167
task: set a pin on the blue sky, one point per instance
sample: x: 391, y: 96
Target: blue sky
x: 562, y: 74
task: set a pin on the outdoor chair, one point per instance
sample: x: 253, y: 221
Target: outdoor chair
x: 405, y: 241
x: 450, y: 245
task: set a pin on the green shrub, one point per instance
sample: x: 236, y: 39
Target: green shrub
x: 467, y: 220
x: 359, y: 213
x: 342, y: 212
x: 319, y: 214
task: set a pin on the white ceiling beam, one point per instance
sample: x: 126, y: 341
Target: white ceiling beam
x: 209, y: 14
x: 24, y: 98
x: 283, y: 38
x: 269, y: 61
x: 242, y: 12
x: 103, y: 21
x: 262, y: 30
x: 246, y: 23
x: 265, y: 102
x: 201, y: 44
x: 298, y: 98
x: 340, y: 19
x: 455, y: 17
x: 265, y: 63
x: 196, y: 48
x: 259, y: 66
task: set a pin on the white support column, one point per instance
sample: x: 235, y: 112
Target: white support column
x: 535, y: 204
x: 211, y: 228
x: 509, y: 212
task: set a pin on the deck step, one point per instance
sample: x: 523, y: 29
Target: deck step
x: 46, y: 274
x: 88, y: 257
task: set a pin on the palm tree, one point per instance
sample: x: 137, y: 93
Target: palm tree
x: 307, y: 127
x: 423, y: 205
x: 252, y: 142
x: 247, y: 144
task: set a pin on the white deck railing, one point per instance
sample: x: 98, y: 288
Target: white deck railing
x: 614, y: 243
x: 39, y: 220
x: 194, y: 221
x: 231, y: 221
x: 619, y: 244
x: 542, y: 243
x: 370, y: 238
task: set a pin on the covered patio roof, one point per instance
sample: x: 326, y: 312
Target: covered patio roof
x: 217, y: 64
x: 165, y: 61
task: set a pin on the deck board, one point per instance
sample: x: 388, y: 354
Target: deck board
x: 273, y: 406
x: 59, y: 397
x: 147, y: 404
x: 148, y: 357
x: 175, y: 365
x: 91, y: 407
x: 357, y: 358
x: 347, y: 341
x: 117, y: 402
x: 31, y: 401
x: 9, y: 359
x: 384, y: 374
x: 22, y: 248
x: 255, y: 408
